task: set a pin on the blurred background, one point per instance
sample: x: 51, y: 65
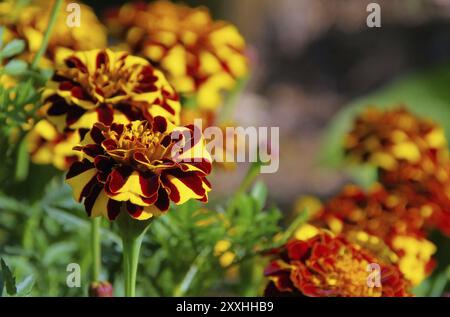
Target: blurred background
x: 310, y: 59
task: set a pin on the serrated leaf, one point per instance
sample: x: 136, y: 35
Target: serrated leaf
x: 14, y: 47
x: 8, y: 278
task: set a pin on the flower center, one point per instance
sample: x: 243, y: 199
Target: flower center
x: 138, y: 145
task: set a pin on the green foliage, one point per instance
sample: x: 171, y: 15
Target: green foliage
x: 178, y: 255
x: 18, y: 109
x: 177, y: 258
x: 8, y: 282
x: 7, y: 279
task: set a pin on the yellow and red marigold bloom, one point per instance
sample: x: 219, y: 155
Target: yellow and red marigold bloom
x: 200, y: 57
x: 395, y: 139
x: 103, y: 86
x: 389, y: 216
x: 432, y: 192
x: 412, y: 156
x: 131, y: 167
x: 32, y: 20
x: 329, y: 266
x: 48, y: 146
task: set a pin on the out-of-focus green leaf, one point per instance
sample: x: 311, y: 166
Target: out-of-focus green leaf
x: 422, y: 289
x: 23, y: 161
x: 426, y: 93
x: 24, y: 288
x: 15, y: 67
x: 439, y: 283
x: 14, y: 47
x: 259, y: 193
x: 70, y: 222
x: 58, y: 253
x: 365, y: 174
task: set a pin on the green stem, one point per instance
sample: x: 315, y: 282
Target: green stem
x: 51, y: 23
x: 96, y: 248
x: 231, y: 101
x: 248, y: 180
x: 131, y: 249
x: 183, y: 287
x: 132, y: 232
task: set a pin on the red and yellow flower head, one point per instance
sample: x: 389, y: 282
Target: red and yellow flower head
x: 138, y: 168
x: 31, y: 21
x: 327, y: 265
x: 372, y: 219
x: 395, y: 139
x: 103, y: 86
x: 412, y: 156
x: 200, y: 57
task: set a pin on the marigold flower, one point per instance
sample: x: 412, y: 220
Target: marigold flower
x: 48, y: 146
x: 32, y: 20
x: 103, y: 86
x: 131, y: 167
x: 431, y: 192
x: 395, y: 139
x: 200, y: 57
x: 388, y: 216
x: 327, y: 265
x: 412, y: 155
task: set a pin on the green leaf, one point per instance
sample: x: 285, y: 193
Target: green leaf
x: 58, y: 253
x: 364, y: 175
x: 23, y: 161
x: 259, y: 193
x: 2, y: 30
x: 13, y: 48
x: 24, y: 288
x: 426, y: 93
x: 439, y: 283
x: 15, y: 67
x: 8, y: 278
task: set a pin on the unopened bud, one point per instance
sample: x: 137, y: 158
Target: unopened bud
x: 100, y: 289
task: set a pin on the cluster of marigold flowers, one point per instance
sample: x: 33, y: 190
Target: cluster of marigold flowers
x: 388, y: 224
x: 201, y: 59
x: 108, y: 114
